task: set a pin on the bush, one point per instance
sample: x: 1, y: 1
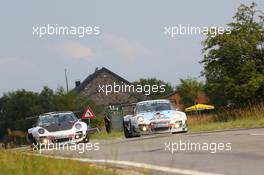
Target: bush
x: 16, y: 106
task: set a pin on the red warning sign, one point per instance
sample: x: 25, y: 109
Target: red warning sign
x: 88, y: 113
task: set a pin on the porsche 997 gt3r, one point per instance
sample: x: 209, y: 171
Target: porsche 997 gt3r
x: 58, y: 127
x: 154, y: 116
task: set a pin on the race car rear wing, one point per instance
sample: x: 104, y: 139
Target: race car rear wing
x: 122, y: 107
x: 93, y: 130
x: 122, y: 104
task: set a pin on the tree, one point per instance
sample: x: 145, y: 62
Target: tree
x: 153, y: 81
x: 16, y: 106
x: 188, y: 90
x: 47, y: 99
x: 20, y: 104
x: 234, y: 62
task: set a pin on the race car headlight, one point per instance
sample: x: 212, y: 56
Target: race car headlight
x: 144, y: 128
x: 178, y: 124
x: 78, y: 134
x: 44, y: 140
x: 140, y: 119
x: 78, y: 126
x: 41, y: 131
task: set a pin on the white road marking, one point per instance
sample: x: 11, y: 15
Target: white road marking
x: 133, y: 164
x: 257, y: 134
x: 203, y: 134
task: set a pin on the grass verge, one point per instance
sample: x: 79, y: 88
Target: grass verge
x: 232, y: 124
x: 14, y: 162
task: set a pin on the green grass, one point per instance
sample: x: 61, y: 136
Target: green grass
x: 14, y: 162
x: 232, y: 124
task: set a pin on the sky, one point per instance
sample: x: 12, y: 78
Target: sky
x: 131, y: 41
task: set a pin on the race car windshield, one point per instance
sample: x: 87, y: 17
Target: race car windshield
x: 153, y: 107
x: 56, y: 119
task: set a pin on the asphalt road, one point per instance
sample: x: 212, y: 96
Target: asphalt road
x: 238, y: 152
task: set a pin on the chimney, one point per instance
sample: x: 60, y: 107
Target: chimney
x: 77, y: 83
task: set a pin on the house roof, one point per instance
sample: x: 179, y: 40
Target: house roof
x: 88, y: 79
x: 171, y: 94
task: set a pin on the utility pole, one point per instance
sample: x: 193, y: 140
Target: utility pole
x: 66, y: 79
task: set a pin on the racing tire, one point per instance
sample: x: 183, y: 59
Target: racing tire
x: 129, y: 133
x: 86, y: 139
x: 180, y: 132
x: 30, y: 139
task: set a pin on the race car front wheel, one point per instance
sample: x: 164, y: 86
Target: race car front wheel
x: 30, y: 139
x: 129, y: 130
x: 86, y: 139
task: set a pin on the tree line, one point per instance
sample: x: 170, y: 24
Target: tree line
x: 18, y: 109
x: 233, y: 68
x: 234, y: 63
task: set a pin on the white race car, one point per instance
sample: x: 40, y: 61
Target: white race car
x: 57, y: 127
x: 154, y: 116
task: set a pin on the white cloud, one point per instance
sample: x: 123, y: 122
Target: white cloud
x: 77, y: 51
x: 15, y: 63
x: 129, y: 49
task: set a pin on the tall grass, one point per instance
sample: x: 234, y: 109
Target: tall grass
x: 247, y: 117
x: 248, y: 112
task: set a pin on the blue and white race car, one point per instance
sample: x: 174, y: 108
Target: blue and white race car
x: 154, y: 116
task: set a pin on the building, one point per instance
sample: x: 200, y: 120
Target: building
x: 175, y: 96
x: 94, y: 88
